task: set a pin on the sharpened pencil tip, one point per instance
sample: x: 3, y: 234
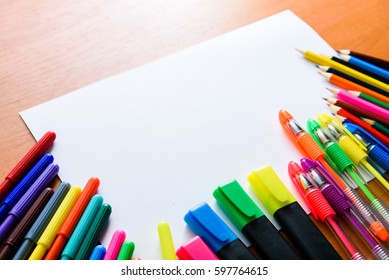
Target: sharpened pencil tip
x: 300, y: 51
x: 327, y: 75
x: 332, y: 90
x: 344, y: 57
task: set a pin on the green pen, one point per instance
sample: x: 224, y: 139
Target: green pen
x: 78, y: 235
x: 126, y: 250
x: 94, y: 232
x: 253, y: 223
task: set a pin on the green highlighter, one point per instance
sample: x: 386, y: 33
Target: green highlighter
x: 252, y: 222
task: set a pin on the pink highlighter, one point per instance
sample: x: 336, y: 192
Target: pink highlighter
x: 195, y: 249
x: 115, y: 244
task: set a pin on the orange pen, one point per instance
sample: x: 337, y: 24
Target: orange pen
x: 306, y: 144
x: 72, y: 219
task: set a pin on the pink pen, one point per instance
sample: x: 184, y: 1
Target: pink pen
x: 115, y: 244
x: 195, y: 249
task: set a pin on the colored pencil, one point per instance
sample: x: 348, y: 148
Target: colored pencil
x: 372, y: 59
x: 362, y: 104
x: 323, y: 60
x: 356, y: 111
x: 359, y: 69
x: 344, y: 113
x: 369, y: 98
x: 365, y: 65
x: 348, y: 85
x: 352, y: 79
x: 377, y: 125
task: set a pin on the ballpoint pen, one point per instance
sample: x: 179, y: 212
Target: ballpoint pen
x: 378, y: 152
x: 350, y: 145
x: 346, y: 166
x: 309, y: 148
x: 320, y: 208
x: 342, y: 207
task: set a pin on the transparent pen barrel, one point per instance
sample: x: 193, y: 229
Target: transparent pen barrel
x: 380, y: 252
x: 365, y: 214
x: 382, y: 210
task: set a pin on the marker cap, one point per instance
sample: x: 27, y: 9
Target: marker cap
x: 209, y: 226
x: 270, y: 189
x: 195, y: 249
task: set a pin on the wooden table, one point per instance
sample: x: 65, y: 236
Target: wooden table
x: 49, y: 48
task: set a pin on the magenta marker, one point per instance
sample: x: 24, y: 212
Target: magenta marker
x: 114, y: 246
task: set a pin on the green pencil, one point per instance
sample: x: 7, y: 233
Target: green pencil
x: 369, y: 98
x: 378, y: 126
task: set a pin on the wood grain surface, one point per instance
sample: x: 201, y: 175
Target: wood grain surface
x: 49, y: 48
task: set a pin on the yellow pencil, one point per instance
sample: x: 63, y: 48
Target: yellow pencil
x: 166, y: 241
x: 48, y: 236
x: 323, y: 60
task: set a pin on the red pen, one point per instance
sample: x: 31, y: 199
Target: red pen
x: 72, y: 219
x: 26, y: 163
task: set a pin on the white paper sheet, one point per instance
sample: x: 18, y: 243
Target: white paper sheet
x: 162, y: 137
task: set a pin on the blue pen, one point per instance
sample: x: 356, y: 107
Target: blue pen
x: 25, y: 202
x: 78, y: 235
x: 41, y: 222
x: 375, y: 149
x: 205, y: 223
x: 98, y: 253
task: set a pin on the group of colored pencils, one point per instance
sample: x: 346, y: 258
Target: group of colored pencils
x: 39, y: 220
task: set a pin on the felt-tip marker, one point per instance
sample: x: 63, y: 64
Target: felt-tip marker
x: 205, y: 223
x: 249, y: 219
x: 292, y: 218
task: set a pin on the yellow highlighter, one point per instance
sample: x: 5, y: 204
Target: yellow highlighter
x: 48, y: 236
x: 166, y: 241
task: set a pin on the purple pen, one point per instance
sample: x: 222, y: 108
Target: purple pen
x: 342, y: 206
x: 25, y: 202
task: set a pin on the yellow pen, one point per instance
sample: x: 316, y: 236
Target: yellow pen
x: 325, y: 61
x: 166, y: 241
x: 48, y: 236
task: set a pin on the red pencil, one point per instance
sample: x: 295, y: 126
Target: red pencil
x: 342, y: 112
x: 26, y: 163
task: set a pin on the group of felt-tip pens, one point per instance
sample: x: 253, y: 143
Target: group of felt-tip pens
x: 39, y: 220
